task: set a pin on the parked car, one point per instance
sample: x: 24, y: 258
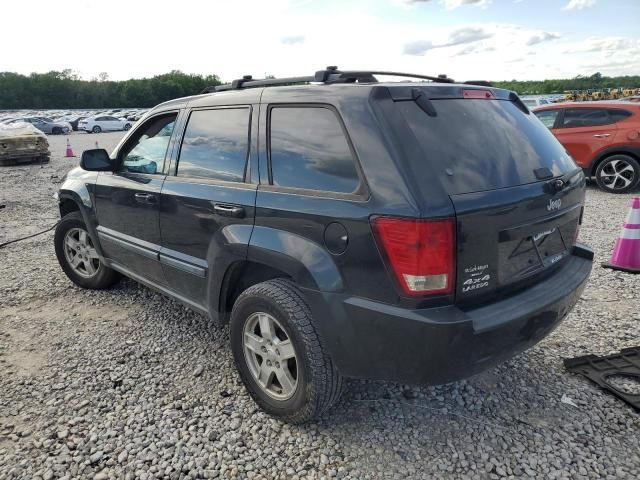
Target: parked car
x: 22, y: 143
x: 103, y: 123
x: 74, y: 120
x: 46, y: 125
x: 532, y: 102
x: 415, y: 232
x: 603, y: 138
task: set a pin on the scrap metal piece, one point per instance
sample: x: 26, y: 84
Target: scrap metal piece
x: 600, y: 369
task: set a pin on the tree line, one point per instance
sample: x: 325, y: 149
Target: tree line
x: 596, y: 82
x: 66, y: 90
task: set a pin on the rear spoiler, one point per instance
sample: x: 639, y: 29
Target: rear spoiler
x: 424, y: 94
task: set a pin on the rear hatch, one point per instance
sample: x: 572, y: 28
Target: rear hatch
x: 516, y: 193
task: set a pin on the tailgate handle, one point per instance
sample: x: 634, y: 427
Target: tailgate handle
x: 554, y: 186
x: 602, y: 135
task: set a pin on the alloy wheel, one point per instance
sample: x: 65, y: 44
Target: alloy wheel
x: 80, y: 253
x: 617, y: 174
x: 270, y: 355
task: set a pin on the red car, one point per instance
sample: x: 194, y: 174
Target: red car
x: 602, y: 137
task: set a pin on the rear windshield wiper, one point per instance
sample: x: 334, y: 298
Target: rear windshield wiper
x: 423, y: 102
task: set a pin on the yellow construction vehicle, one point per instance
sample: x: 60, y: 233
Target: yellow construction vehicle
x: 627, y: 92
x: 570, y: 95
x: 585, y: 95
x: 599, y: 95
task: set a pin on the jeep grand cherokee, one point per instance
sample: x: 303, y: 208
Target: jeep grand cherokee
x: 418, y: 232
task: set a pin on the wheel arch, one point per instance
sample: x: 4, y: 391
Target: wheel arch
x: 239, y: 276
x: 80, y: 201
x: 272, y: 254
x: 633, y: 152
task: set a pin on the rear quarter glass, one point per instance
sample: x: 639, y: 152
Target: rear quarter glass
x: 476, y: 145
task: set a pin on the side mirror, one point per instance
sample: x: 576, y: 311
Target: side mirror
x: 96, y: 160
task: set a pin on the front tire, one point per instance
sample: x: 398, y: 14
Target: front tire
x: 127, y: 126
x: 618, y: 174
x: 279, y: 354
x: 96, y: 129
x: 78, y: 257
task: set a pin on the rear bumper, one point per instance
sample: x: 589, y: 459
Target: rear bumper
x: 372, y: 340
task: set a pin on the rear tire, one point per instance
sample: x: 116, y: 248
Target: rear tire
x: 96, y: 129
x: 56, y: 131
x: 127, y: 127
x: 318, y: 384
x: 618, y: 174
x: 77, y: 255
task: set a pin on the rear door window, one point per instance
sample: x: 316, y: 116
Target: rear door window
x: 585, y: 117
x: 309, y: 150
x: 216, y: 144
x: 617, y: 114
x: 477, y: 145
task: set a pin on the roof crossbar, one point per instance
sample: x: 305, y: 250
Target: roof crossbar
x: 328, y: 76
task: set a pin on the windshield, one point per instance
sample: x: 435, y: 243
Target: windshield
x: 476, y: 145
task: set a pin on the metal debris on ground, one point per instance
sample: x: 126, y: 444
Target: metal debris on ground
x: 600, y: 369
x: 567, y: 400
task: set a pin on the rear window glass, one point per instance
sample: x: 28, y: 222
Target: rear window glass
x: 309, y: 150
x: 476, y: 145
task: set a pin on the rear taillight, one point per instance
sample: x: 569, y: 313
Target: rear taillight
x: 419, y: 252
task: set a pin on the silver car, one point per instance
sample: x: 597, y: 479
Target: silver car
x: 47, y: 125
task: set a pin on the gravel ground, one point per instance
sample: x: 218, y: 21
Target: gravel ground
x: 125, y: 383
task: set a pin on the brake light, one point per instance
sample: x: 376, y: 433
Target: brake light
x: 477, y: 93
x: 419, y: 252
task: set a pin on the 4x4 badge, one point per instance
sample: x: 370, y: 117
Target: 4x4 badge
x: 554, y: 204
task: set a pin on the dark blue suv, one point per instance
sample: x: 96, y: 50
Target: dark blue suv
x: 418, y: 231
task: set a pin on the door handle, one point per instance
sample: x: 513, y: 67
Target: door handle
x: 229, y: 210
x: 602, y: 135
x: 147, y: 198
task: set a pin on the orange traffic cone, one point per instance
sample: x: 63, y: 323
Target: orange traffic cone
x: 69, y: 152
x: 626, y: 252
x: 97, y: 145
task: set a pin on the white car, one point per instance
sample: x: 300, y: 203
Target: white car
x: 532, y: 102
x: 103, y: 123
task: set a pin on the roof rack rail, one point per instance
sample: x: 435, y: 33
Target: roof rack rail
x: 328, y: 76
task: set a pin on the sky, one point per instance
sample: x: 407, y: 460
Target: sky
x: 465, y: 39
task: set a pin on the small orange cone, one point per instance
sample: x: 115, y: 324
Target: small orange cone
x: 69, y: 152
x: 97, y: 145
x: 626, y: 252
